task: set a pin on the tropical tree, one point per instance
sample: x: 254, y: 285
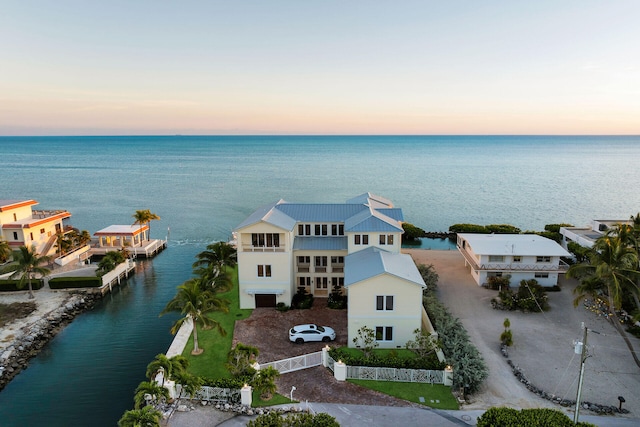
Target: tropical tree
x: 194, y: 304
x: 28, y: 265
x: 168, y: 366
x: 612, y: 268
x: 143, y: 217
x: 219, y: 255
x: 213, y: 280
x: 264, y: 382
x: 5, y: 250
x: 109, y: 261
x: 145, y: 417
x: 149, y: 392
x: 240, y: 360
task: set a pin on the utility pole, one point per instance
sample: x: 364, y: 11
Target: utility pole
x: 583, y: 358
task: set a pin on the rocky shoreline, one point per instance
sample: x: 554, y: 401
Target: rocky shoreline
x: 30, y: 339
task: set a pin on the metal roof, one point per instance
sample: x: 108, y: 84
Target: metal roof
x: 270, y: 215
x: 513, y: 244
x: 372, y: 200
x: 304, y: 243
x: 316, y: 212
x: 371, y: 262
x: 371, y: 220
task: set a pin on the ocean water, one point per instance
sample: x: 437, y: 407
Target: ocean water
x: 202, y: 187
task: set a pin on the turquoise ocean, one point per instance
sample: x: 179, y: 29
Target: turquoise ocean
x: 202, y: 186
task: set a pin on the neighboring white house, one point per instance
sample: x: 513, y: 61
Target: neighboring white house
x: 21, y: 225
x: 283, y: 247
x: 522, y: 256
x: 587, y: 236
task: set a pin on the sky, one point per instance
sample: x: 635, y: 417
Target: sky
x: 142, y: 67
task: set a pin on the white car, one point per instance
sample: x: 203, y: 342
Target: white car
x: 304, y: 333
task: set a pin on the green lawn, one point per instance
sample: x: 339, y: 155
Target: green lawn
x: 401, y: 353
x: 435, y: 396
x: 277, y: 399
x: 210, y: 364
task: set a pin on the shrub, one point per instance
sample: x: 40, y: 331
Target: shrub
x: 411, y: 232
x: 469, y: 368
x: 498, y: 282
x: 429, y: 275
x: 274, y: 419
x: 302, y: 299
x: 555, y: 228
x: 12, y: 285
x: 526, y: 418
x: 389, y: 361
x: 337, y: 301
x: 502, y: 229
x: 75, y: 282
x: 365, y: 340
x: 468, y: 228
x: 282, y: 307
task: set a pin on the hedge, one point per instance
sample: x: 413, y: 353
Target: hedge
x: 495, y: 417
x: 75, y: 282
x: 431, y: 362
x: 12, y: 285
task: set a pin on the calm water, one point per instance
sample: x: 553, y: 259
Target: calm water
x: 202, y: 187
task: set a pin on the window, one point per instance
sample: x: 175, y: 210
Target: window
x: 271, y: 240
x: 264, y: 270
x: 301, y: 229
x: 383, y: 239
x: 543, y: 259
x: 361, y: 239
x: 496, y: 258
x: 384, y: 333
x: 31, y: 236
x: 304, y: 282
x: 15, y: 235
x: 386, y: 239
x: 337, y: 281
x: 340, y: 229
x: 384, y: 302
x: 317, y: 229
x: 324, y: 229
x: 494, y: 274
x: 541, y: 275
x: 390, y: 239
x: 304, y: 260
x: 337, y: 230
x: 42, y: 231
x: 517, y: 259
x: 322, y: 282
x: 337, y: 260
x: 15, y: 218
x: 304, y: 229
x: 321, y: 263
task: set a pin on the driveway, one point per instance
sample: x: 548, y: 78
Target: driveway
x: 267, y: 329
x: 543, y: 344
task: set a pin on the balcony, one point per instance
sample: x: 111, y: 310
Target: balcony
x: 514, y: 266
x: 251, y: 248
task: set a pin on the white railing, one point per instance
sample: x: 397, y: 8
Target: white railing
x: 295, y: 363
x: 391, y: 374
x: 212, y: 394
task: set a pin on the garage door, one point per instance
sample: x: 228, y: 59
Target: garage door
x: 265, y: 300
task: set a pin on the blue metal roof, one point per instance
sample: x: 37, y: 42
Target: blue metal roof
x: 269, y: 214
x: 372, y: 221
x: 320, y: 243
x: 311, y: 212
x: 371, y: 262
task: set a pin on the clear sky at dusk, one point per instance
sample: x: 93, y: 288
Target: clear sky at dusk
x: 319, y: 67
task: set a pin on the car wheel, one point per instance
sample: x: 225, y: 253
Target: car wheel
x: 326, y: 339
x: 299, y: 341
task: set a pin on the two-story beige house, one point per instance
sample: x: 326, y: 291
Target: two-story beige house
x: 354, y: 246
x: 21, y: 225
x: 522, y: 256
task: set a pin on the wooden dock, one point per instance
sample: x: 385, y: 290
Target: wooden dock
x: 149, y: 249
x: 116, y: 276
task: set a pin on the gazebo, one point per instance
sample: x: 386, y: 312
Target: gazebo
x: 117, y: 236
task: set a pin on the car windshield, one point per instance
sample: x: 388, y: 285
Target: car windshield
x: 320, y: 328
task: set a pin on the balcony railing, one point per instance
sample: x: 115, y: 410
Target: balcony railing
x: 562, y: 267
x: 251, y: 248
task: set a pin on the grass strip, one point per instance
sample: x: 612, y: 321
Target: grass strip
x: 435, y: 396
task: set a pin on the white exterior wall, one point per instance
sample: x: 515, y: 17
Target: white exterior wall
x: 23, y: 212
x: 404, y: 318
x: 280, y: 260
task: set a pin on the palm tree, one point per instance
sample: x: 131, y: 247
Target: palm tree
x: 264, y: 382
x: 145, y: 417
x: 144, y: 216
x: 5, y: 250
x: 168, y: 366
x: 148, y: 389
x: 219, y: 254
x: 29, y: 265
x: 194, y: 304
x: 612, y: 267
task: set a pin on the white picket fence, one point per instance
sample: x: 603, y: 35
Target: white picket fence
x: 392, y: 374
